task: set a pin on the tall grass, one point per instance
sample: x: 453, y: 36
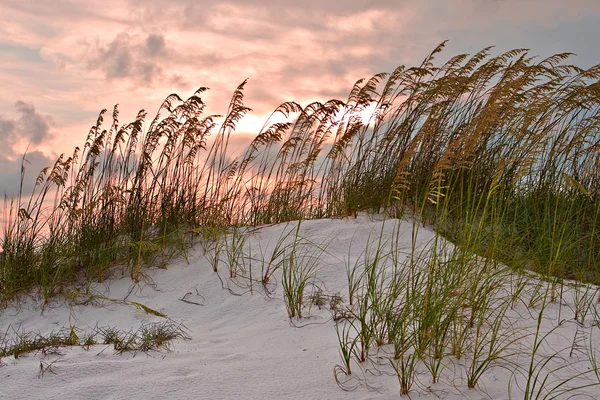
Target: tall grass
x: 499, y: 153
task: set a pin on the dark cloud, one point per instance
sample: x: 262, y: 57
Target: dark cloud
x: 30, y: 128
x: 7, y: 132
x: 155, y: 44
x: 131, y: 57
x: 10, y: 179
x: 32, y: 125
x: 179, y: 81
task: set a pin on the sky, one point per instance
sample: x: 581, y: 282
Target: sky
x: 61, y: 62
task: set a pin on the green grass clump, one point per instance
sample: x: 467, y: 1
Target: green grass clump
x: 442, y: 314
x: 149, y: 337
x: 25, y: 343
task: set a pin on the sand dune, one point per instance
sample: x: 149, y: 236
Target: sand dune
x: 243, y: 345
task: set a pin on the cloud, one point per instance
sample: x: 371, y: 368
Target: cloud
x: 545, y: 27
x: 7, y: 132
x: 32, y: 125
x: 10, y: 179
x: 198, y: 43
x: 130, y: 56
x: 29, y: 129
x: 155, y: 44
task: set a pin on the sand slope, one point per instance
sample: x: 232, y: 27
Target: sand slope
x: 241, y: 344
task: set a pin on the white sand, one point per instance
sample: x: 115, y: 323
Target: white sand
x: 244, y: 346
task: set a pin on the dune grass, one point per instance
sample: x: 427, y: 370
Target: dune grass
x: 442, y: 314
x: 149, y: 337
x: 500, y: 154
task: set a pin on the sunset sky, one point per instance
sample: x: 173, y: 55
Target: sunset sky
x: 61, y: 62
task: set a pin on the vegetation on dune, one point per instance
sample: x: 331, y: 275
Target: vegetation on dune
x: 149, y: 337
x: 500, y: 153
